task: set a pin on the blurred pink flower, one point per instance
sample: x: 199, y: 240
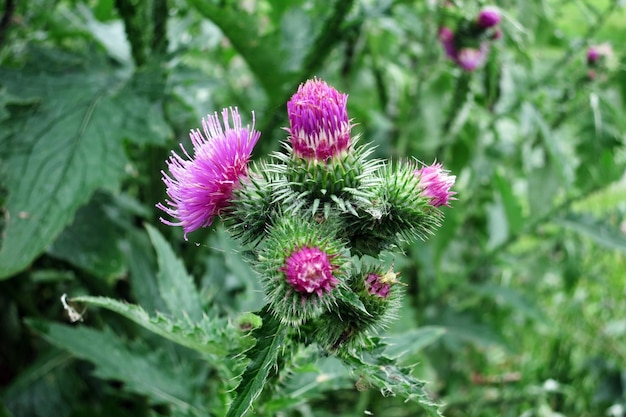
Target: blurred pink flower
x: 200, y: 186
x: 488, y: 17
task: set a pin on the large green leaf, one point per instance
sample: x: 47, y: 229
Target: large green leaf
x: 66, y: 142
x: 598, y: 230
x: 207, y: 336
x: 91, y: 242
x: 176, y: 286
x: 263, y: 357
x: 142, y: 369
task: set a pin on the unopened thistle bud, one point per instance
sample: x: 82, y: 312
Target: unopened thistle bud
x: 377, y: 304
x: 322, y: 169
x: 319, y: 125
x: 302, y: 265
x: 400, y: 211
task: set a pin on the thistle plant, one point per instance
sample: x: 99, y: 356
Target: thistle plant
x: 469, y: 42
x: 316, y: 218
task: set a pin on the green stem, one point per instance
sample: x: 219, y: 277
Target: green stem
x: 7, y: 17
x: 159, y: 31
x: 130, y: 15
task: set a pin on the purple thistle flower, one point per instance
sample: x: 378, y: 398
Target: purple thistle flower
x: 446, y: 37
x: 593, y: 54
x: 471, y: 58
x: 308, y: 270
x: 467, y: 58
x: 376, y: 286
x: 318, y: 116
x: 201, y: 186
x: 436, y: 183
x: 488, y: 17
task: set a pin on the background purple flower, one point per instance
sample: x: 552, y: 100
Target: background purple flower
x: 488, y: 17
x: 318, y: 117
x: 200, y: 186
x: 436, y: 183
x: 308, y: 270
x: 471, y: 58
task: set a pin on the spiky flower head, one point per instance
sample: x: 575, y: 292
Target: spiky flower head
x: 376, y: 304
x: 488, y: 17
x: 302, y: 265
x: 308, y: 270
x: 435, y: 183
x: 253, y: 205
x: 319, y: 124
x: 399, y: 211
x: 200, y: 187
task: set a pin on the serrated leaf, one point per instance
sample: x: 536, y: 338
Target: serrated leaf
x: 142, y: 369
x: 263, y: 357
x: 65, y: 145
x: 206, y: 336
x: 176, y: 286
x: 610, y: 237
x: 382, y: 373
x: 142, y: 266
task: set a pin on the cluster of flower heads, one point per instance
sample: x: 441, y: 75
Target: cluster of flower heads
x: 316, y: 216
x: 598, y: 59
x: 468, y: 44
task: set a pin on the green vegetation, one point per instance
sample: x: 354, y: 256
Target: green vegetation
x: 514, y: 308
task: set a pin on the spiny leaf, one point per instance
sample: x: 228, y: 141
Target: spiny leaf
x: 263, y: 357
x: 176, y: 286
x: 207, y: 336
x: 377, y: 370
x: 142, y: 369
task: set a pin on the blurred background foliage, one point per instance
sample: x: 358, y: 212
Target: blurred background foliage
x: 515, y: 308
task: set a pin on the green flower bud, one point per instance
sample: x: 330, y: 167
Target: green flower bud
x: 376, y: 304
x: 253, y: 205
x: 399, y: 211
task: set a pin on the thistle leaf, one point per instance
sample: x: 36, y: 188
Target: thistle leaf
x: 263, y: 357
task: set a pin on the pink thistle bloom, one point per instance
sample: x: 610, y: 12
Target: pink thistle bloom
x: 467, y: 58
x: 446, y: 37
x: 471, y: 58
x: 436, y: 183
x: 592, y: 55
x: 488, y: 17
x: 308, y: 270
x: 200, y: 187
x: 375, y: 285
x: 318, y: 116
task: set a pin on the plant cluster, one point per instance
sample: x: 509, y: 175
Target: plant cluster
x: 315, y: 217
